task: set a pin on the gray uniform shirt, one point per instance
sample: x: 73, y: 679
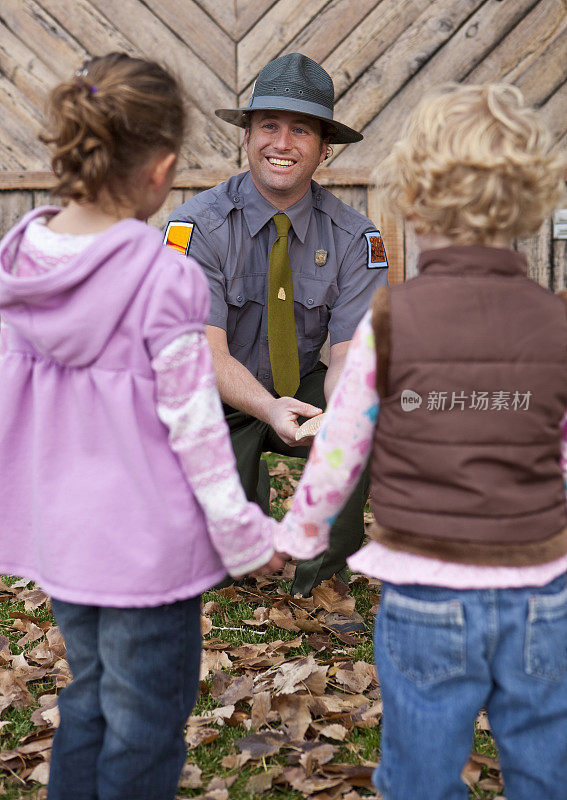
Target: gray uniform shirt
x: 231, y: 237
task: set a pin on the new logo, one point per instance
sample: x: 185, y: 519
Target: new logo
x: 410, y: 400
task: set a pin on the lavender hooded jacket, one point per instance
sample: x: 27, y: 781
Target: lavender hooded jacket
x: 94, y: 504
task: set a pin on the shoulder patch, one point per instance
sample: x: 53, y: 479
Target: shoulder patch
x: 178, y: 236
x: 376, y: 252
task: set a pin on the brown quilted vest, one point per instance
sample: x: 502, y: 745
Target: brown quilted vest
x: 472, y: 375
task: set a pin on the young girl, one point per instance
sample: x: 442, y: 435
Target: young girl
x: 119, y: 491
x: 456, y: 385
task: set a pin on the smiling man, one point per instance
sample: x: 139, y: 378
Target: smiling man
x: 288, y: 263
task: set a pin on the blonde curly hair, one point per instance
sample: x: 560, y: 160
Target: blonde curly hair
x: 473, y: 163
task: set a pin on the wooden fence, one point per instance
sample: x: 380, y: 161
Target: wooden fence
x: 383, y: 55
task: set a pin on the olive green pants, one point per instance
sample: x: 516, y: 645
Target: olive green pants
x: 251, y: 437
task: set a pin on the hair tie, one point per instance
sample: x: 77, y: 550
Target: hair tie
x: 81, y: 74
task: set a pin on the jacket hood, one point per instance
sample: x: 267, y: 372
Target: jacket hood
x: 69, y: 315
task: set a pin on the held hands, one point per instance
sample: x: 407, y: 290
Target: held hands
x: 275, y: 564
x: 283, y: 416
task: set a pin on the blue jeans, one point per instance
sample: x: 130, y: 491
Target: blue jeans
x: 441, y: 656
x: 135, y: 680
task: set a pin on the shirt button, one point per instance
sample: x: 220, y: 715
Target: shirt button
x: 236, y: 198
x: 239, y: 299
x: 266, y: 375
x: 310, y: 301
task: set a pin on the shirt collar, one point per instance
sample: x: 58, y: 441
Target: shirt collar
x: 258, y: 211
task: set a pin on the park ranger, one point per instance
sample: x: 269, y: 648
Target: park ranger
x: 288, y: 263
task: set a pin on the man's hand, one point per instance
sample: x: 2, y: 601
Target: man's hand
x: 282, y: 417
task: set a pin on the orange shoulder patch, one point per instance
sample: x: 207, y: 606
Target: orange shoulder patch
x: 178, y: 236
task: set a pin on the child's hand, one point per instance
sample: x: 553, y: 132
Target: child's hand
x: 275, y: 564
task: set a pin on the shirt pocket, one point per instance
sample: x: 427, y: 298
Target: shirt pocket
x: 426, y: 640
x: 245, y: 300
x: 313, y: 300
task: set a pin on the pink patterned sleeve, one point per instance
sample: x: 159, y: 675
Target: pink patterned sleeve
x: 188, y: 403
x: 564, y: 450
x: 338, y: 454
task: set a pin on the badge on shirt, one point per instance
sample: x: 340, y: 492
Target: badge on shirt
x: 376, y: 253
x: 321, y: 257
x: 178, y: 236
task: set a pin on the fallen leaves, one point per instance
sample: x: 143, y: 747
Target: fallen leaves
x: 297, y: 697
x: 301, y: 708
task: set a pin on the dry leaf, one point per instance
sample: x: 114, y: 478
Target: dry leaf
x: 213, y: 660
x: 206, y: 625
x: 357, y: 775
x: 216, y: 715
x: 32, y: 634
x: 482, y: 723
x: 336, y: 703
x: 283, y: 618
x: 263, y: 780
x: 288, y: 572
x: 219, y: 683
x: 261, y: 617
x: 316, y: 756
x: 294, y: 714
x: 56, y: 642
x: 26, y: 672
x: 261, y: 707
x: 368, y: 717
x: 316, y: 683
x: 195, y: 736
x: 5, y: 653
x: 235, y: 761
x: 47, y: 713
x: 327, y: 597
x: 238, y: 689
x: 334, y: 731
x: 470, y: 773
x: 258, y: 745
x: 212, y: 607
x: 356, y: 677
x: 280, y: 470
x: 33, y: 598
x: 40, y: 773
x: 298, y: 779
x: 487, y: 761
x: 292, y: 674
x: 490, y: 784
x: 190, y: 777
x: 13, y: 691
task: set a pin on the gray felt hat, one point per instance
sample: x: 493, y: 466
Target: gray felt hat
x: 294, y: 83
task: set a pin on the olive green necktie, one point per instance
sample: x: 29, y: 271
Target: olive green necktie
x: 282, y: 342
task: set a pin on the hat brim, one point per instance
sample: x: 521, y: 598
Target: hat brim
x: 339, y: 133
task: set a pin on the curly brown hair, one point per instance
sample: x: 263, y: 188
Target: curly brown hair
x: 107, y: 121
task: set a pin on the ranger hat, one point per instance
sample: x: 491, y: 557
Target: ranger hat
x: 294, y: 83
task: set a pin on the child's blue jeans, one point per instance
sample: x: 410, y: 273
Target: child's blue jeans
x: 441, y: 656
x: 135, y: 680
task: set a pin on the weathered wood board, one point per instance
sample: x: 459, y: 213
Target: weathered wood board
x: 383, y: 55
